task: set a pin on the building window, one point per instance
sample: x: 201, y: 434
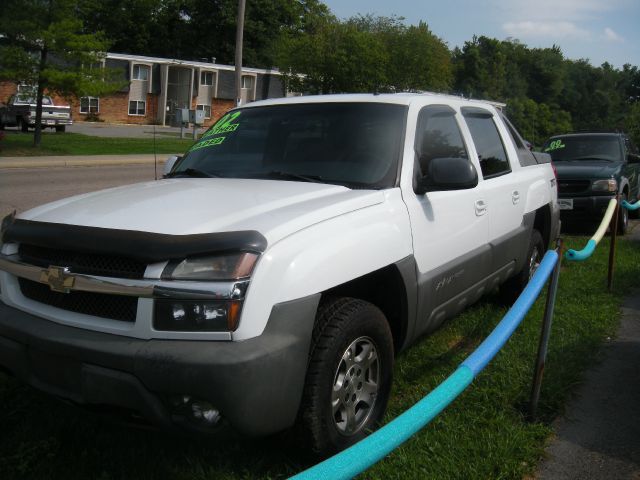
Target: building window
x: 137, y: 107
x: 247, y: 82
x: 140, y: 72
x: 206, y: 79
x: 206, y: 108
x: 89, y: 105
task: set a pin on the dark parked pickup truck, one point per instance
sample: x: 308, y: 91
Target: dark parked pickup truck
x: 592, y: 168
x: 20, y: 111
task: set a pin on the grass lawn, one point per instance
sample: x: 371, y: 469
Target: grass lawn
x: 482, y: 435
x: 18, y: 144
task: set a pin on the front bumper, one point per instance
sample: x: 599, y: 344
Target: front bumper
x: 255, y: 384
x: 586, y: 208
x: 51, y: 122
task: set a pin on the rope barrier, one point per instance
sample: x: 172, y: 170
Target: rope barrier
x: 587, y: 251
x: 357, y: 458
x: 630, y: 206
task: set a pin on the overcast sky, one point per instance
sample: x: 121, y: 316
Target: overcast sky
x: 598, y: 30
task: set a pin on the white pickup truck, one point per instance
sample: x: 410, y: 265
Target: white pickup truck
x: 274, y: 274
x: 20, y: 111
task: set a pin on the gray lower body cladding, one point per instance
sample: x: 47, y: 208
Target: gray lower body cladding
x: 256, y: 384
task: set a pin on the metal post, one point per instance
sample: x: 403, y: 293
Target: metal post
x: 544, y: 335
x: 239, y: 34
x: 612, y: 247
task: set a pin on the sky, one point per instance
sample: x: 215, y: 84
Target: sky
x: 597, y: 30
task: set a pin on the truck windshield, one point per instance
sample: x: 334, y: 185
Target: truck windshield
x: 352, y: 144
x: 584, y: 147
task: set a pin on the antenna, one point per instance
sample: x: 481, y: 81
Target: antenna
x: 155, y: 158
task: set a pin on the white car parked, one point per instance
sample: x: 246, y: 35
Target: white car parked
x: 274, y: 274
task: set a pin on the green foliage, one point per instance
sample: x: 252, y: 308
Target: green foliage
x: 43, y: 43
x: 365, y: 54
x: 17, y: 145
x: 195, y: 29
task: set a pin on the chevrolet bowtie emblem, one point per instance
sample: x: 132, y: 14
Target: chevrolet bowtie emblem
x: 58, y: 279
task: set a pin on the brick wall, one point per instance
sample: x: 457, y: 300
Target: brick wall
x: 6, y: 90
x: 114, y: 108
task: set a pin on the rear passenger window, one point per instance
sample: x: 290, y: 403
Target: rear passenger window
x: 438, y: 136
x: 491, y: 152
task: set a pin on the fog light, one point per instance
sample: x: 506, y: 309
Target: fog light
x: 178, y: 312
x: 204, y: 411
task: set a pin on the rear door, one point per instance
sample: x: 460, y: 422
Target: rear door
x: 504, y: 189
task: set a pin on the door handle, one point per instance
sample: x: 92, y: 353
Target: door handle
x: 515, y: 197
x: 481, y: 208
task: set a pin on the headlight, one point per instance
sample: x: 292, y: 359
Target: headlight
x: 196, y: 315
x: 221, y: 267
x: 608, y: 185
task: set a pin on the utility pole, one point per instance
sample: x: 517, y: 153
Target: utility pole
x: 239, y: 33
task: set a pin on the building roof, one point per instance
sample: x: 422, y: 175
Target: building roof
x: 187, y: 63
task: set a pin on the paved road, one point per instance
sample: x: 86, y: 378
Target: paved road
x: 21, y: 189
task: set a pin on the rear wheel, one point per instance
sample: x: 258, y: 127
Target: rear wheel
x: 349, y: 375
x: 514, y: 286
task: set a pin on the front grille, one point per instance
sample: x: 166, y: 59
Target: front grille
x: 573, y: 186
x: 115, y: 307
x: 85, y: 263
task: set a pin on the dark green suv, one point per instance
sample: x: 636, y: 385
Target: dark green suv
x: 592, y: 167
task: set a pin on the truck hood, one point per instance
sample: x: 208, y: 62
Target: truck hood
x: 587, y: 169
x: 186, y: 206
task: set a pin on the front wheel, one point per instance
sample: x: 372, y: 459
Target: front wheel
x: 61, y: 128
x: 623, y: 217
x: 349, y: 375
x: 24, y: 126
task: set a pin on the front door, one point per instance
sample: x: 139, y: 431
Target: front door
x: 450, y: 228
x: 178, y: 92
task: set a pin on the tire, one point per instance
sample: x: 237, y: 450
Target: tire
x: 512, y: 288
x: 61, y: 128
x: 623, y: 217
x: 24, y: 126
x: 349, y: 375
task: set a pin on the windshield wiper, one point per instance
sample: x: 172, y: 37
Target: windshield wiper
x: 293, y: 176
x: 591, y: 158
x: 192, y: 172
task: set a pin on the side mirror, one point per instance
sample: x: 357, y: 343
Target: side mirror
x: 448, y: 174
x: 171, y: 161
x: 633, y: 158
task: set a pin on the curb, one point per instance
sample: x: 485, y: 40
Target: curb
x: 85, y: 161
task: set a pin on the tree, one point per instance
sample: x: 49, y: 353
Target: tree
x: 43, y: 44
x: 365, y: 54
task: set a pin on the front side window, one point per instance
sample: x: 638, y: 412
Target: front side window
x: 491, y: 152
x: 89, y: 105
x: 137, y: 107
x: 352, y: 144
x: 140, y: 72
x: 438, y: 136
